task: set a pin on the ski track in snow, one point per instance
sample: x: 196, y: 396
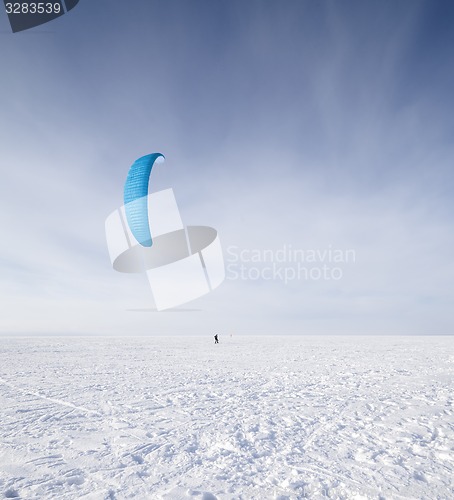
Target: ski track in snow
x: 251, y: 418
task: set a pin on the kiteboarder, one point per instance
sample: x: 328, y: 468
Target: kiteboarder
x: 216, y: 340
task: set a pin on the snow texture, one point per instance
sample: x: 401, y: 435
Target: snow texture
x: 249, y: 418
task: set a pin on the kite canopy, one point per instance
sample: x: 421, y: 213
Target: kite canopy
x: 135, y: 198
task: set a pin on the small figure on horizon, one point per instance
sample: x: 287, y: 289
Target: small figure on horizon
x: 216, y: 340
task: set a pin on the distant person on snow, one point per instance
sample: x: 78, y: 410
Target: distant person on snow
x: 216, y: 340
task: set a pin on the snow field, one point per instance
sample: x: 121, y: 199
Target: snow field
x: 250, y: 418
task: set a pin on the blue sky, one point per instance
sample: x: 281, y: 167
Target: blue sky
x: 311, y: 124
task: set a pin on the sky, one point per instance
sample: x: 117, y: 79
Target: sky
x: 316, y: 126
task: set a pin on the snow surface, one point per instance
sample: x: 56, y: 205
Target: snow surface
x: 250, y: 418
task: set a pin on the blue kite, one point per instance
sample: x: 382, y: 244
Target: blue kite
x: 135, y: 198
